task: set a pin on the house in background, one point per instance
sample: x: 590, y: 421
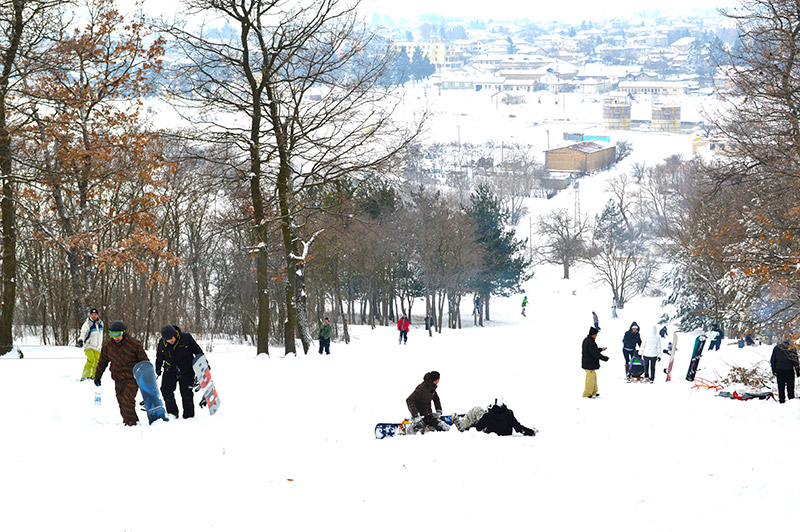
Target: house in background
x: 580, y: 158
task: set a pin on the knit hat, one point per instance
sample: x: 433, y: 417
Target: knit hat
x: 592, y: 331
x: 434, y: 376
x: 93, y: 311
x: 117, y: 326
x: 168, y: 332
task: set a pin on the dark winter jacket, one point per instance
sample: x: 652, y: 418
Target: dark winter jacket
x: 783, y: 358
x: 717, y: 328
x: 632, y: 340
x: 500, y: 420
x: 122, y: 356
x: 403, y: 324
x: 325, y: 331
x: 178, y: 357
x: 419, y: 402
x: 591, y: 354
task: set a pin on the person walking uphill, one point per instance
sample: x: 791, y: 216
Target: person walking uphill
x: 402, y: 325
x: 123, y: 352
x: 630, y: 342
x: 324, y: 337
x: 591, y: 355
x: 91, y: 340
x: 419, y: 404
x: 175, y: 353
x: 785, y: 366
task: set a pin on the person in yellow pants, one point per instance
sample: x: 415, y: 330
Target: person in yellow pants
x: 590, y: 361
x: 91, y: 340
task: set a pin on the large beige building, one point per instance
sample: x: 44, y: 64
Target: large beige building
x: 580, y: 158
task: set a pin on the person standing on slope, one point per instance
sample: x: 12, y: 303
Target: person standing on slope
x: 591, y: 355
x: 716, y: 337
x: 630, y: 342
x: 324, y: 337
x: 402, y: 325
x: 785, y: 366
x: 419, y: 404
x: 91, y: 340
x: 651, y: 349
x: 524, y: 304
x: 123, y: 352
x: 175, y: 353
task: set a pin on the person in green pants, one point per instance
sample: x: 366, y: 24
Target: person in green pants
x: 325, y: 337
x: 91, y: 340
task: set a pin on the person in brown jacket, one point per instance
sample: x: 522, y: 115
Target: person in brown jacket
x: 123, y: 352
x: 419, y: 404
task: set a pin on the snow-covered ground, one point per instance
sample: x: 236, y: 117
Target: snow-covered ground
x: 292, y: 446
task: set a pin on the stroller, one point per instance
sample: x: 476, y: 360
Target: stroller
x: 636, y: 368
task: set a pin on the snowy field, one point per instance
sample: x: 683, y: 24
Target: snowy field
x: 292, y: 446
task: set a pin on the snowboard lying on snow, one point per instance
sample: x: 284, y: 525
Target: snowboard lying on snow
x: 388, y: 430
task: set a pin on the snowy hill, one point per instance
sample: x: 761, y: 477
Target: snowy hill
x: 292, y: 446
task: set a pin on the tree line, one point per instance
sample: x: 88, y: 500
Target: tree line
x: 279, y: 200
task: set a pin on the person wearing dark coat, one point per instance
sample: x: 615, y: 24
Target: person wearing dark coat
x: 500, y: 420
x: 175, y: 353
x: 630, y: 342
x: 591, y: 355
x: 785, y: 366
x: 419, y: 404
x: 122, y: 352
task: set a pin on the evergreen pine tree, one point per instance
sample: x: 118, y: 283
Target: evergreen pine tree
x: 505, y: 265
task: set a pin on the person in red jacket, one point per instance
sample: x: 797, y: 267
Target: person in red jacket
x: 402, y: 326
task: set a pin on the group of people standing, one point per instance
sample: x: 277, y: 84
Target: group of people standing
x: 632, y: 344
x: 121, y: 352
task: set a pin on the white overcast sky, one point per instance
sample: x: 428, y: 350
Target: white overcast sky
x: 570, y: 10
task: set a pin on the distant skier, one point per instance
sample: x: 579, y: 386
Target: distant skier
x: 716, y: 336
x: 630, y: 342
x: 91, y: 340
x: 402, y: 325
x: 591, y: 355
x: 651, y: 349
x: 785, y: 366
x: 596, y: 320
x: 524, y: 304
x: 324, y: 337
x: 122, y: 352
x: 663, y: 332
x: 614, y: 308
x: 419, y: 405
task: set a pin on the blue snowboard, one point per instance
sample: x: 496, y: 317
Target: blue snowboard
x: 697, y: 352
x: 387, y: 430
x: 145, y: 377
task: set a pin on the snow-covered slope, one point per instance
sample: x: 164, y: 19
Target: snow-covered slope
x: 292, y: 446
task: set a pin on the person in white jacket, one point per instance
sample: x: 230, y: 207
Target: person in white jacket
x: 651, y: 350
x: 91, y: 340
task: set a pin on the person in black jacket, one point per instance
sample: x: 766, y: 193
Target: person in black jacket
x: 630, y: 342
x: 591, y: 355
x: 175, y: 352
x: 785, y: 365
x: 500, y: 420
